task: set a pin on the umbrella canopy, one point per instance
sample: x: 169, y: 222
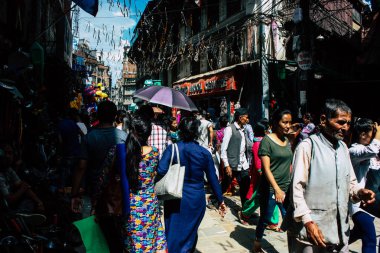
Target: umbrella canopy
x: 166, y: 96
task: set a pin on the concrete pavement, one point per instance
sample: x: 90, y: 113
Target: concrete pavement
x: 217, y: 235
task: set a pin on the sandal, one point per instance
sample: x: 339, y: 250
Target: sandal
x: 241, y: 219
x: 274, y: 228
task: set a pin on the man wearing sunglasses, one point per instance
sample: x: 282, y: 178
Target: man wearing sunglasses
x: 323, y: 185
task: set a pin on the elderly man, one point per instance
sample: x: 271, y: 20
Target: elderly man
x: 323, y: 184
x: 233, y: 153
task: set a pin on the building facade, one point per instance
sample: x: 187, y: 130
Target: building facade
x: 216, y: 51
x: 324, y: 42
x: 126, y: 85
x: 262, y: 54
x: 89, y: 67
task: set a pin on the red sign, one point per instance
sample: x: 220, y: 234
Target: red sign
x: 212, y: 84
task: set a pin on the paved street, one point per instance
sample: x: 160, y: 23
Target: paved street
x: 229, y: 235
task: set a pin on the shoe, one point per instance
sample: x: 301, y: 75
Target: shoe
x: 210, y: 205
x: 241, y: 219
x: 227, y: 194
x: 33, y: 219
x: 257, y: 247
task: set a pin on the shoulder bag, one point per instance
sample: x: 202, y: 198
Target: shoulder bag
x: 171, y: 185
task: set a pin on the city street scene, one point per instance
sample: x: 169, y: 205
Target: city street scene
x: 189, y: 126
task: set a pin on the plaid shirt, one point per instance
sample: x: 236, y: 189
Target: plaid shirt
x: 158, y: 138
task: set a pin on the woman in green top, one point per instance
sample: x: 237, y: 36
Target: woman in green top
x: 276, y: 157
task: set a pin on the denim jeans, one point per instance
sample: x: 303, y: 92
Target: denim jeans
x: 267, y: 206
x: 364, y: 228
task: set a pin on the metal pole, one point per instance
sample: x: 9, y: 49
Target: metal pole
x: 306, y: 46
x: 263, y: 66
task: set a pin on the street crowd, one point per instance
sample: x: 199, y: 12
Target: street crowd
x: 316, y: 174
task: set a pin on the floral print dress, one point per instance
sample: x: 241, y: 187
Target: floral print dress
x: 144, y: 229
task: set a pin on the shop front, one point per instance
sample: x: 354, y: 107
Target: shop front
x: 219, y: 92
x: 213, y: 93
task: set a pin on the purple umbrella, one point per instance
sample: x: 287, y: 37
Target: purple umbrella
x: 166, y: 96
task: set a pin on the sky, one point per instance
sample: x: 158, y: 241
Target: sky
x: 112, y: 18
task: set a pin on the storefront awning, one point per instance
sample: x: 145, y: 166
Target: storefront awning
x: 214, y: 72
x: 219, y: 80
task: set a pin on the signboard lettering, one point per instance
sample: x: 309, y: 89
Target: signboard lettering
x: 150, y: 82
x: 208, y: 85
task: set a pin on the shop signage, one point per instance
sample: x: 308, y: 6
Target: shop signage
x: 208, y: 85
x: 184, y: 89
x: 216, y: 84
x: 304, y: 60
x: 150, y: 82
x: 195, y: 88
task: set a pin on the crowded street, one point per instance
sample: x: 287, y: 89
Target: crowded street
x: 189, y: 126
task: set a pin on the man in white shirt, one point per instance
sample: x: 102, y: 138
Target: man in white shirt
x: 233, y: 153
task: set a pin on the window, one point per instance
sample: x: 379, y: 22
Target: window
x: 212, y: 61
x: 234, y: 53
x: 175, y: 73
x: 212, y: 13
x: 196, y: 21
x: 233, y: 7
x: 195, y: 67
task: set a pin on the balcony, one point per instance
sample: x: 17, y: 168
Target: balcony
x: 335, y: 16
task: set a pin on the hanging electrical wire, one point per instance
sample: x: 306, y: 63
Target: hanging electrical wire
x: 268, y: 10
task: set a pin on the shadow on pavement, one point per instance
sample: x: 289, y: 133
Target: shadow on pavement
x: 232, y: 203
x: 245, y: 235
x: 235, y: 208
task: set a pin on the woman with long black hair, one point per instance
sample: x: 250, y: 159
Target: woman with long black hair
x: 183, y: 216
x: 145, y: 232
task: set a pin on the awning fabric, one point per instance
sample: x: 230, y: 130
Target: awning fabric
x: 89, y: 6
x: 210, y: 73
x: 210, y: 82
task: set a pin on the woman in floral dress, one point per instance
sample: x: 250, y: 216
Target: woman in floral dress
x: 144, y: 230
